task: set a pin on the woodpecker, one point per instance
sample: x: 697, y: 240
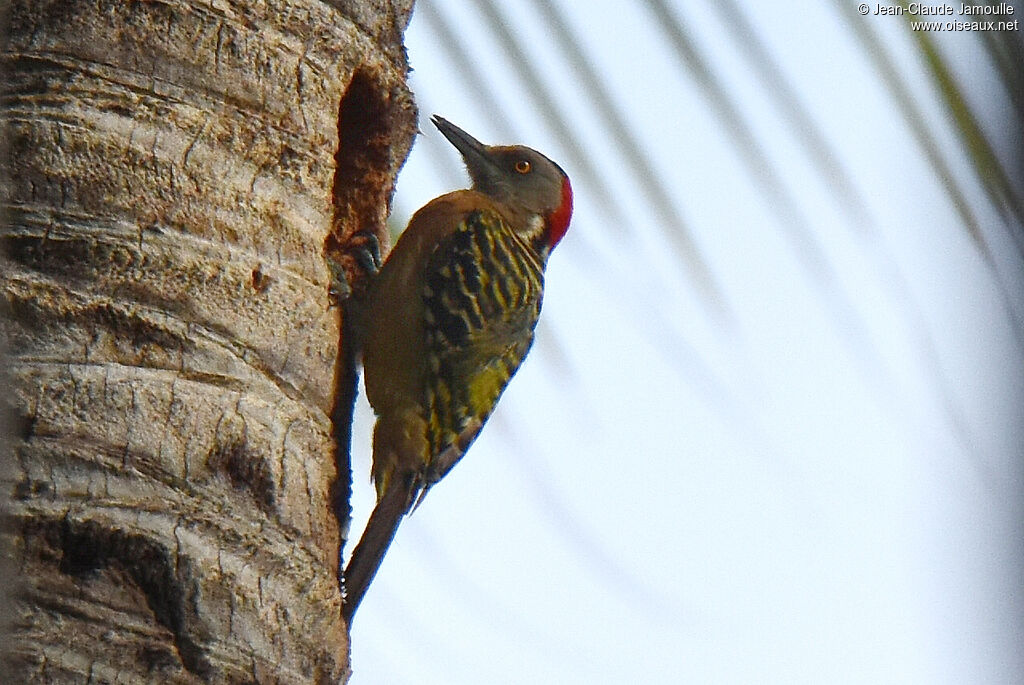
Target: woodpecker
x: 448, y: 320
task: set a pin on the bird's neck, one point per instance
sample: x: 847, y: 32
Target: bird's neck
x: 532, y: 228
x: 538, y: 235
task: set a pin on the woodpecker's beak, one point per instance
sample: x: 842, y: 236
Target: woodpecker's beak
x: 473, y: 151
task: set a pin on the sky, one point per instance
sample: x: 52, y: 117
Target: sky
x: 770, y: 430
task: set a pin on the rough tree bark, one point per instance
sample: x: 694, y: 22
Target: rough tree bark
x: 174, y: 169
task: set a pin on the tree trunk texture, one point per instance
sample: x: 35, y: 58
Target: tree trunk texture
x: 175, y: 171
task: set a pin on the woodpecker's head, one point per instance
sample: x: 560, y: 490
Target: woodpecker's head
x: 523, y: 179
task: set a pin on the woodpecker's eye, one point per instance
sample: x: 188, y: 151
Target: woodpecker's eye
x: 522, y: 166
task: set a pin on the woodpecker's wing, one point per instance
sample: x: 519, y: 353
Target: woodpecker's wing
x: 482, y: 297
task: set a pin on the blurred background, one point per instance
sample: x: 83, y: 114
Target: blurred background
x: 771, y: 429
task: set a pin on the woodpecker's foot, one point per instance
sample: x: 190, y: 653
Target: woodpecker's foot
x: 365, y: 249
x: 361, y: 256
x: 339, y: 289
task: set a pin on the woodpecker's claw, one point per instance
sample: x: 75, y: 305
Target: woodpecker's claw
x: 367, y: 252
x: 339, y: 289
x: 364, y: 250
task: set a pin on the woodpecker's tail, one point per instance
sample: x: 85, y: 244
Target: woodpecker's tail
x: 373, y: 545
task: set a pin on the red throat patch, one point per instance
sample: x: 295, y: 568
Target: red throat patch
x: 558, y: 220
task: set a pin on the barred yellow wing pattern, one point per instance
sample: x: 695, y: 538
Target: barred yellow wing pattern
x: 482, y: 299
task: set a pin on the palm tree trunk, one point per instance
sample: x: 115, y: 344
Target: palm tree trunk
x: 175, y: 171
